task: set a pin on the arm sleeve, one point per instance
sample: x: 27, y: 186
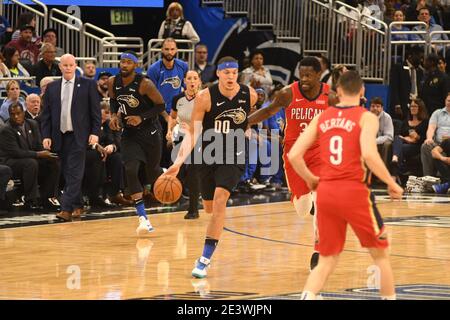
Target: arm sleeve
x: 45, y: 117
x: 434, y: 116
x: 387, y: 130
x: 152, y: 74
x: 190, y: 33
x: 10, y: 147
x: 175, y: 101
x: 161, y: 30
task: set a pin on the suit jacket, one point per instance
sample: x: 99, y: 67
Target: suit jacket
x: 14, y: 145
x: 37, y: 119
x: 400, y: 86
x: 85, y: 112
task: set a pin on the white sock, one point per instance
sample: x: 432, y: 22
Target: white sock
x: 393, y: 297
x: 308, y: 295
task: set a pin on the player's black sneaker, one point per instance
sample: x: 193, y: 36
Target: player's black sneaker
x: 314, y: 261
x: 313, y: 209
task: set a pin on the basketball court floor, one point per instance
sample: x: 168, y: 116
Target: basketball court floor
x: 263, y: 254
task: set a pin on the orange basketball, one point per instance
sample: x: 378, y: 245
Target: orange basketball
x: 167, y: 189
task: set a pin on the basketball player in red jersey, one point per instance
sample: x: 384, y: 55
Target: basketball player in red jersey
x: 302, y: 101
x: 347, y: 139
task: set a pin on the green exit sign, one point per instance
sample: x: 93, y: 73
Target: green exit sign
x: 121, y: 17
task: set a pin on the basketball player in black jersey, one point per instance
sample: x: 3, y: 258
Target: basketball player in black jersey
x: 219, y: 111
x: 135, y: 105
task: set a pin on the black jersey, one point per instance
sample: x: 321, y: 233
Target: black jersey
x: 226, y: 122
x: 130, y: 102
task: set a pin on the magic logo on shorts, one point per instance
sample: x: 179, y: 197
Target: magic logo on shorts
x: 175, y: 82
x: 237, y: 115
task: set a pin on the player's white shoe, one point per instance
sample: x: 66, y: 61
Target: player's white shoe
x: 201, y: 265
x: 145, y: 227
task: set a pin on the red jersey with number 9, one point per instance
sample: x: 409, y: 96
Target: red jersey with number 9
x: 302, y: 110
x: 340, y: 150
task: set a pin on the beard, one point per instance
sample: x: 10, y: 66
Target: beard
x: 168, y: 57
x: 125, y: 73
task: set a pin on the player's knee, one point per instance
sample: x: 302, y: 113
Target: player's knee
x: 303, y: 205
x: 220, y: 197
x: 328, y: 263
x: 378, y: 254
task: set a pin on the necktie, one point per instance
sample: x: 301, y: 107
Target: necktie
x: 66, y: 121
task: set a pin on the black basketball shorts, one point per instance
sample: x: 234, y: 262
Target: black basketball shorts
x: 213, y: 176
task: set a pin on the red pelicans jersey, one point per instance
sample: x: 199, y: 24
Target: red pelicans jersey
x: 302, y: 110
x: 343, y: 198
x: 339, y: 139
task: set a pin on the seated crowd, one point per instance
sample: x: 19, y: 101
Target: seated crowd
x: 413, y: 137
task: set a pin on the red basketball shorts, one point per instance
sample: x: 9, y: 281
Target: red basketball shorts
x: 347, y: 203
x: 297, y: 186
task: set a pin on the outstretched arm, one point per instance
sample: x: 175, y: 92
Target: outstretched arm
x: 283, y: 99
x: 201, y: 106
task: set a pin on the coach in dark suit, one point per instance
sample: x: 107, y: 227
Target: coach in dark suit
x: 71, y: 120
x: 21, y: 149
x: 404, y: 82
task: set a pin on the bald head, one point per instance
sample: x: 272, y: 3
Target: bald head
x: 33, y: 103
x: 43, y: 84
x: 67, y: 65
x: 68, y: 57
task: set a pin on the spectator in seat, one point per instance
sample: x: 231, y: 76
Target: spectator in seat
x: 413, y: 11
x: 26, y: 18
x: 438, y: 130
x: 424, y: 16
x: 399, y: 16
x: 21, y: 149
x: 175, y: 26
x: 102, y: 158
x: 325, y: 77
x: 405, y: 80
x: 412, y: 134
x: 50, y: 36
x: 385, y: 134
x: 47, y: 66
x: 28, y: 51
x: 257, y: 75
x: 442, y: 67
x: 435, y: 85
x: 44, y: 83
x: 102, y: 85
x: 89, y: 69
x: 3, y: 71
x: 441, y: 156
x: 206, y: 70
x: 13, y: 93
x: 14, y: 67
x: 33, y: 104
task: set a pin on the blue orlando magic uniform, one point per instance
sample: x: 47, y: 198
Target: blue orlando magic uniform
x: 169, y: 82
